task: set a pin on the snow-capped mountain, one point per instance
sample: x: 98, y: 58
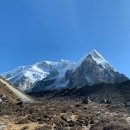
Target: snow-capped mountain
x: 25, y: 76
x: 47, y: 75
x: 91, y: 69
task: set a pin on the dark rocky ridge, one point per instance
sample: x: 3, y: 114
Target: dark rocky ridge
x: 117, y: 93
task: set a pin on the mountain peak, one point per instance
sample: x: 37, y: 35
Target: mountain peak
x: 94, y: 52
x: 97, y: 56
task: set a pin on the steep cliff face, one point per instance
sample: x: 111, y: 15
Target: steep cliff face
x: 93, y: 69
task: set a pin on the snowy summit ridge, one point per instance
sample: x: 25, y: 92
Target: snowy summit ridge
x: 91, y: 69
x: 25, y: 76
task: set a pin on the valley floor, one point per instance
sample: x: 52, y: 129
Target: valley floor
x: 63, y: 114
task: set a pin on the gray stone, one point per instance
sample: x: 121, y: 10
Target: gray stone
x: 2, y: 126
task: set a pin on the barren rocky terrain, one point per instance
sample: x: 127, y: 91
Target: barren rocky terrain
x: 63, y: 114
x: 99, y: 107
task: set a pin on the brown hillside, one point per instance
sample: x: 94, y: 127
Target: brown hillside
x: 4, y: 90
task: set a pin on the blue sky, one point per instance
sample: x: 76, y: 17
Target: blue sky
x: 35, y: 30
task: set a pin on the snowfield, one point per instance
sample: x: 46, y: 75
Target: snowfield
x: 25, y: 76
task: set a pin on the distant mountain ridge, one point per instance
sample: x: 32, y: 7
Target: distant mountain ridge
x: 25, y: 76
x: 47, y: 75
